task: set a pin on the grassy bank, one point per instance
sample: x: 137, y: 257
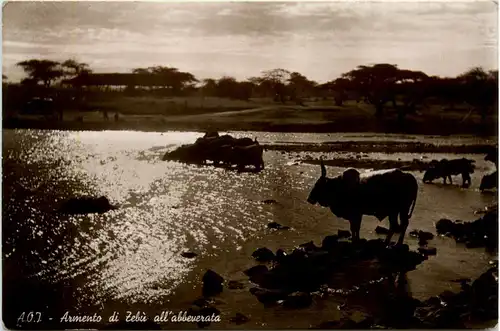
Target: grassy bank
x: 200, y: 114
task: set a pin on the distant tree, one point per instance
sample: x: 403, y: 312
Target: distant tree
x: 375, y: 83
x: 277, y: 80
x: 209, y: 86
x: 480, y: 89
x: 409, y: 91
x: 340, y: 88
x: 166, y: 77
x: 45, y: 71
x: 300, y: 86
x: 72, y: 68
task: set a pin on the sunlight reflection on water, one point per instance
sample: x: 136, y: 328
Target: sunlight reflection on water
x: 134, y: 253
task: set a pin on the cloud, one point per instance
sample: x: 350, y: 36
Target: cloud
x: 320, y: 39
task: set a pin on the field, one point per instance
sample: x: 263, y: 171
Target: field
x: 206, y: 113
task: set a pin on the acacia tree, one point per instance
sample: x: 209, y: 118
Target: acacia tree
x: 277, y: 79
x: 209, y: 86
x: 480, y: 89
x: 375, y: 83
x: 72, y: 68
x: 44, y: 71
x: 410, y: 90
x: 300, y: 86
x: 167, y: 77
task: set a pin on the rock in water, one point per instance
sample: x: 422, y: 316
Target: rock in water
x: 277, y: 226
x: 344, y: 234
x: 263, y: 255
x: 298, y: 300
x: 189, y: 255
x: 256, y: 270
x: 330, y: 242
x: 86, y: 205
x: 267, y: 296
x: 427, y: 250
x: 235, y: 285
x: 239, y: 319
x: 207, y: 312
x: 444, y: 226
x: 212, y: 283
x: 280, y: 254
x: 422, y: 235
x: 309, y: 246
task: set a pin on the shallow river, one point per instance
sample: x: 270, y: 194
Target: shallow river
x: 130, y: 258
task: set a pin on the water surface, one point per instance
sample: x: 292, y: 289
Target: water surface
x: 130, y: 258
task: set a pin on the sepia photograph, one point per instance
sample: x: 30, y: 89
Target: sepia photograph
x: 249, y: 165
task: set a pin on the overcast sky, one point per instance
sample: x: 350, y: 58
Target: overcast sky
x: 320, y: 40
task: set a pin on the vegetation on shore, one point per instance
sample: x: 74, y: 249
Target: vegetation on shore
x: 377, y: 98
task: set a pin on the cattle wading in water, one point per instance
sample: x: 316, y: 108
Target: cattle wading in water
x: 492, y: 156
x: 489, y: 181
x: 447, y: 168
x: 384, y: 193
x: 225, y: 149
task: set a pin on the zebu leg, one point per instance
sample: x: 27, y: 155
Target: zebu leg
x: 355, y: 227
x: 403, y: 217
x: 466, y: 179
x: 393, y: 225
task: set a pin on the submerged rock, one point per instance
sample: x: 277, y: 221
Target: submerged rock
x: 277, y: 226
x: 263, y: 254
x: 343, y: 234
x: 207, y: 312
x: 330, y: 242
x: 189, y: 255
x: 86, y: 205
x: 480, y: 233
x: 266, y: 296
x: 297, y: 300
x: 478, y: 302
x: 308, y: 267
x: 422, y: 235
x: 428, y: 250
x: 269, y: 201
x: 256, y: 270
x: 239, y: 319
x: 212, y: 283
x: 444, y: 226
x: 235, y: 285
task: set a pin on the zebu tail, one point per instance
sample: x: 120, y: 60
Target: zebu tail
x: 415, y: 193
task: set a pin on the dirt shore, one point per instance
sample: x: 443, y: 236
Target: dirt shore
x: 431, y: 126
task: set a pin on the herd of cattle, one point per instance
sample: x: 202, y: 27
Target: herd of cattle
x: 446, y: 168
x: 388, y: 193
x: 384, y: 194
x: 221, y: 150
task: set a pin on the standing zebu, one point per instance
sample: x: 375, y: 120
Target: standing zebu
x: 447, y: 168
x: 385, y: 193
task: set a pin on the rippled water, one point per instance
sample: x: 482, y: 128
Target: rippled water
x: 130, y: 257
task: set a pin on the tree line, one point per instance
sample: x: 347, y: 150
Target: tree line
x: 380, y: 85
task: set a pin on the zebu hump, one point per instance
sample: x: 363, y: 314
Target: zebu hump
x: 388, y: 177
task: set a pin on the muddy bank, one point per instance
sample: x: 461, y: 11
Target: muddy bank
x: 380, y: 147
x: 415, y: 165
x: 482, y: 232
x: 432, y: 126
